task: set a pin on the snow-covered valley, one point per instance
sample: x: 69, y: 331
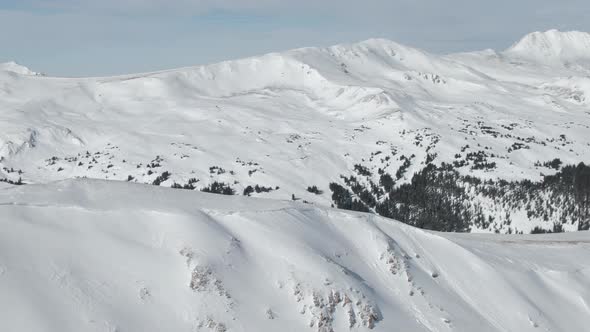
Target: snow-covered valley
x: 95, y: 255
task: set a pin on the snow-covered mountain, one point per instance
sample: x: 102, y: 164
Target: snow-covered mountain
x: 286, y: 122
x: 554, y: 45
x: 92, y: 255
x: 483, y: 141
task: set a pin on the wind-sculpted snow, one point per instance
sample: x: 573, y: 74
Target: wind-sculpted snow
x: 307, y: 117
x: 90, y: 255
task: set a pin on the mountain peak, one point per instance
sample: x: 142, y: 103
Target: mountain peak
x: 553, y: 44
x: 378, y: 44
x: 16, y: 68
x: 372, y: 45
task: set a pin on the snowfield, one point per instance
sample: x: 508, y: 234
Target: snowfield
x: 94, y: 255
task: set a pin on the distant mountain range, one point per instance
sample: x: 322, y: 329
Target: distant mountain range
x: 484, y: 141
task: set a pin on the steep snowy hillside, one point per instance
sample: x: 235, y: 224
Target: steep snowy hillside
x: 277, y: 125
x: 91, y: 255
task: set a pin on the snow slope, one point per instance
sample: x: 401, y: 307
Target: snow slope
x: 305, y: 117
x: 91, y: 255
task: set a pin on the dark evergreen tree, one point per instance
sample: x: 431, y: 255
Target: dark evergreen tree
x: 314, y: 190
x: 219, y: 188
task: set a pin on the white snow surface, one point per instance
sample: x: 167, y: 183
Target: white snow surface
x: 13, y: 67
x: 304, y: 117
x: 95, y: 255
x: 554, y: 44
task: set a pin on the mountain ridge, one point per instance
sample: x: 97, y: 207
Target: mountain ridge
x: 286, y: 122
x: 551, y: 44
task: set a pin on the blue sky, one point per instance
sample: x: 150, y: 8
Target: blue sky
x: 106, y: 37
